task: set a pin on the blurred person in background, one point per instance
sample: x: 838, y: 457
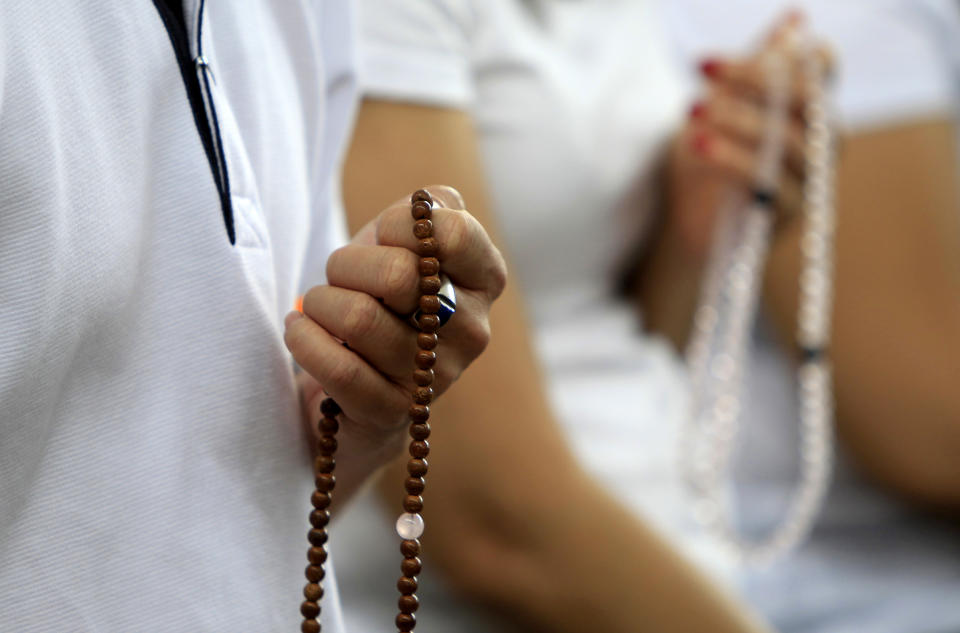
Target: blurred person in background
x: 556, y: 503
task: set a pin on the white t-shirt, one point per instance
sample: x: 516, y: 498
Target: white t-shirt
x: 153, y: 469
x: 572, y: 100
x: 580, y: 98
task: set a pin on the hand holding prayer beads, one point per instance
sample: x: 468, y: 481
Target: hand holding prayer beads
x: 715, y: 155
x: 385, y: 389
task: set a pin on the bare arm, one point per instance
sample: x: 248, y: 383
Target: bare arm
x: 514, y: 521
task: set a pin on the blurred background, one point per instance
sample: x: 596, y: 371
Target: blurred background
x: 600, y: 140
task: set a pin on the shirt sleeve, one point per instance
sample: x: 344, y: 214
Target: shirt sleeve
x: 417, y: 51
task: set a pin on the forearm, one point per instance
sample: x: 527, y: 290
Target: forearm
x: 515, y: 523
x: 532, y: 536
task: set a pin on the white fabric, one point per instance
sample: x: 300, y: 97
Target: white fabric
x: 571, y: 101
x: 895, y: 58
x: 153, y: 469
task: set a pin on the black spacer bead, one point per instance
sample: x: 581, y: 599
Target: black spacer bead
x: 811, y: 354
x: 764, y: 197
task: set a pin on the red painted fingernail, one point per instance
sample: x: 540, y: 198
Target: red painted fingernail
x: 710, y: 68
x: 701, y: 143
x: 698, y: 110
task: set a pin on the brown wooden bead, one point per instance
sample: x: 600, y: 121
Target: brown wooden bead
x: 423, y: 377
x: 419, y: 448
x: 324, y: 464
x: 319, y: 518
x: 411, y: 566
x: 410, y: 547
x: 320, y: 500
x: 406, y: 622
x: 413, y: 503
x: 420, y: 431
x: 430, y: 304
x: 310, y: 626
x: 327, y: 445
x: 419, y: 412
x: 317, y: 537
x: 406, y: 585
x: 417, y: 467
x: 421, y: 194
x: 425, y: 359
x: 313, y: 592
x: 423, y: 228
x: 414, y: 485
x: 430, y: 285
x: 423, y: 395
x: 408, y: 604
x: 428, y: 247
x: 330, y: 408
x: 314, y: 573
x: 310, y: 609
x: 429, y: 266
x: 429, y: 323
x: 421, y: 210
x: 426, y: 340
x: 317, y: 555
x: 326, y: 482
x: 328, y: 426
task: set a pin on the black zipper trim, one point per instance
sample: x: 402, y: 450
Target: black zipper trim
x: 209, y: 130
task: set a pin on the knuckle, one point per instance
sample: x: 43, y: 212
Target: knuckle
x: 361, y: 318
x: 447, y: 193
x: 497, y: 274
x: 476, y: 336
x: 343, y: 372
x: 398, y: 275
x: 459, y: 232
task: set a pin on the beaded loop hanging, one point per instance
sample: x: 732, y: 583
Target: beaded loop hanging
x: 718, y: 350
x: 410, y: 524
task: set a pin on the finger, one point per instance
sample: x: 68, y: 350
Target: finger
x: 444, y: 196
x: 750, y: 77
x: 466, y: 253
x: 389, y: 273
x: 738, y: 163
x: 746, y: 122
x: 362, y: 392
x: 368, y: 328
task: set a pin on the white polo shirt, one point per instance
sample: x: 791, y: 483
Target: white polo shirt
x: 153, y: 469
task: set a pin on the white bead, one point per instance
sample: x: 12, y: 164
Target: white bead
x: 410, y: 526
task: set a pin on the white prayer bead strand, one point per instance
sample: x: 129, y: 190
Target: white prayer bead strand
x: 717, y: 355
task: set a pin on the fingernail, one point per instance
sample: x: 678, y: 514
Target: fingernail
x: 298, y: 304
x: 710, y: 68
x: 291, y: 317
x: 698, y: 110
x: 701, y: 143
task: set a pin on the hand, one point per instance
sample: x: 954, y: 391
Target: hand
x: 714, y: 157
x: 373, y: 284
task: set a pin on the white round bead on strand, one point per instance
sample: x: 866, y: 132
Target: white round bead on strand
x: 410, y: 526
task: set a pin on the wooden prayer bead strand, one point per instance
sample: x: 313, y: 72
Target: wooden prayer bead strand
x: 410, y: 523
x: 323, y: 467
